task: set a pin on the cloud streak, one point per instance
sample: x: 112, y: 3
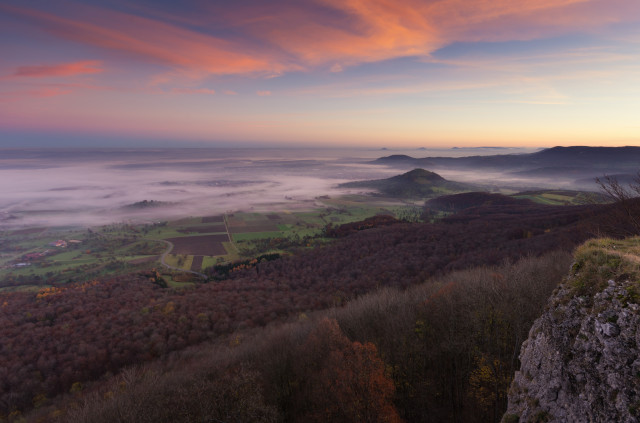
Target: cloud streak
x: 89, y: 188
x: 145, y: 39
x: 206, y: 91
x: 285, y: 38
x: 86, y: 67
x: 196, y: 71
x: 38, y: 92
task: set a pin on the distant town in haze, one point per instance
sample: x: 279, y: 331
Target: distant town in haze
x: 319, y: 211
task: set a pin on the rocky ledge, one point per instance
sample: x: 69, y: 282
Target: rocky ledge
x: 581, y: 361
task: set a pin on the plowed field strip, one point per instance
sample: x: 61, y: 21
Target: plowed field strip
x: 196, y: 264
x: 207, y: 245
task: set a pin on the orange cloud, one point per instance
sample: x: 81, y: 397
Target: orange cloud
x: 38, y: 92
x: 415, y: 27
x: 49, y: 92
x: 65, y: 69
x: 362, y: 31
x: 366, y: 31
x: 195, y: 53
x: 328, y: 34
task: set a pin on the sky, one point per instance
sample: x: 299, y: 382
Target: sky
x: 334, y: 73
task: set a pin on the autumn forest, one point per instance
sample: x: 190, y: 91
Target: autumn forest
x: 392, y: 321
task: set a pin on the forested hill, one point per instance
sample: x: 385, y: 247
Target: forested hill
x: 589, y: 155
x: 415, y: 183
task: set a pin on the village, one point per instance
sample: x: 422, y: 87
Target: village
x: 35, y: 256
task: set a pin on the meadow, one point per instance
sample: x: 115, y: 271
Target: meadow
x: 30, y: 258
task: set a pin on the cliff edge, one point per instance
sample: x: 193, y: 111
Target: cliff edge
x: 581, y: 362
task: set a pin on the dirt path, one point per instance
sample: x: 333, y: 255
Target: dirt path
x: 233, y: 244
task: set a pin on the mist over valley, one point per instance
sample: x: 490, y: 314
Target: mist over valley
x: 316, y: 211
x: 95, y: 186
x: 151, y: 276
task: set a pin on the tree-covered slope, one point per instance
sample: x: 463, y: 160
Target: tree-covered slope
x: 419, y: 183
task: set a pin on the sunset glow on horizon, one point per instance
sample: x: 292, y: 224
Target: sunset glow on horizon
x: 361, y: 73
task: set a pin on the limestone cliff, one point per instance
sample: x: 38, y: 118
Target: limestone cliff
x: 581, y: 361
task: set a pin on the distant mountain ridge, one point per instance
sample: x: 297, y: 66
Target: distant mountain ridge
x: 568, y: 167
x: 551, y: 161
x: 415, y: 183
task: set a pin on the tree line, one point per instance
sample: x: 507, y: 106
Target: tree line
x: 84, y: 331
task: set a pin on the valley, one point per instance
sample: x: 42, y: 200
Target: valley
x: 317, y: 211
x: 102, y: 301
x: 181, y: 249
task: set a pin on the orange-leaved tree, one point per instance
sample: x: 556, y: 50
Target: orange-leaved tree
x: 343, y: 381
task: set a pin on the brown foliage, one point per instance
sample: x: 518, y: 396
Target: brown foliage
x: 343, y: 381
x: 353, y: 227
x: 82, y: 332
x: 230, y: 396
x: 443, y: 351
x: 624, y: 197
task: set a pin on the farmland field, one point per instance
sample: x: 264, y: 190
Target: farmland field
x: 206, y: 245
x: 204, y: 229
x: 196, y: 264
x: 248, y: 236
x: 213, y: 219
x: 28, y: 258
x: 560, y: 198
x: 254, y: 227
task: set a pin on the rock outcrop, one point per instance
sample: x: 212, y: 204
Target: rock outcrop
x: 581, y: 361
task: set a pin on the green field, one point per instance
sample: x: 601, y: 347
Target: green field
x: 123, y: 248
x: 250, y: 236
x: 27, y: 258
x: 561, y: 198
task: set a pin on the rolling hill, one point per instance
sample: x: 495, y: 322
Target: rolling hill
x: 580, y: 164
x: 417, y: 183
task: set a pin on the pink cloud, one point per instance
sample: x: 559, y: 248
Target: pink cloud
x: 193, y: 91
x: 146, y: 39
x: 376, y: 30
x: 263, y: 93
x: 280, y: 38
x: 86, y: 67
x: 38, y: 92
x: 23, y: 90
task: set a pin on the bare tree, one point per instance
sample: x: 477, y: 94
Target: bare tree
x: 623, y: 195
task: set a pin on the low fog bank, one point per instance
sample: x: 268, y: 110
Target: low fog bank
x: 93, y: 187
x: 510, y: 180
x: 572, y: 168
x: 61, y: 190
